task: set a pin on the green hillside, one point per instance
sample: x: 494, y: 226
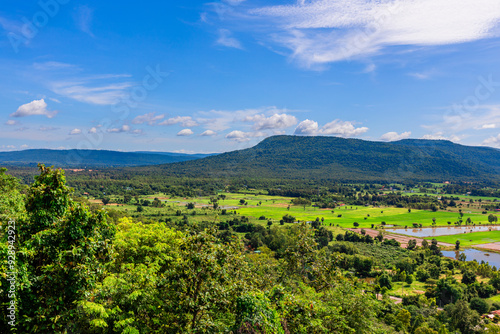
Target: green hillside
x: 338, y: 159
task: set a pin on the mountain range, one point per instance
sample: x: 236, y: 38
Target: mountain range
x: 91, y: 158
x: 339, y: 159
x: 294, y: 157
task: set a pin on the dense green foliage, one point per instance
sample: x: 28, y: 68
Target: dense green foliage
x: 84, y: 271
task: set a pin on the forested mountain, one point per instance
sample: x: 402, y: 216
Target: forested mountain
x: 338, y: 159
x: 91, y: 158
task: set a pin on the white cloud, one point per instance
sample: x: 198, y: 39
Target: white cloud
x: 307, y: 127
x: 488, y: 126
x: 492, y: 141
x: 337, y: 128
x: 93, y: 130
x: 238, y: 136
x: 149, y: 118
x: 24, y: 146
x: 276, y: 121
x: 11, y: 122
x: 36, y: 107
x: 209, y: 133
x: 324, y: 31
x: 185, y: 132
x: 75, y: 132
x: 124, y: 128
x: 220, y: 120
x: 226, y: 39
x: 241, y: 136
x: 393, y: 136
x: 184, y: 121
x: 440, y: 136
x: 342, y: 129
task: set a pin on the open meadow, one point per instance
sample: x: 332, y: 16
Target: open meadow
x: 258, y: 205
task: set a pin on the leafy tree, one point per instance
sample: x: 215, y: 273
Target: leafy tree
x: 412, y: 244
x: 301, y: 202
x: 447, y: 291
x: 461, y: 317
x: 480, y: 305
x: 105, y: 200
x: 384, y: 280
x: 255, y: 314
x: 495, y: 281
x: 425, y: 329
x: 127, y: 198
x: 457, y: 245
x: 205, y: 283
x: 65, y: 247
x: 468, y: 277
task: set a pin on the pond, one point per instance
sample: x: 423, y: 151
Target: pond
x: 437, y: 231
x: 473, y: 254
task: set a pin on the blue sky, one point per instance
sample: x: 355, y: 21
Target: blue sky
x: 195, y: 76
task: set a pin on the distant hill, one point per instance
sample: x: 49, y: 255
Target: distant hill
x: 91, y: 158
x: 338, y: 159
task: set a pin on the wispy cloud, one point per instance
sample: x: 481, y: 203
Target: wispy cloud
x: 458, y: 118
x: 83, y: 19
x: 424, y: 75
x: 226, y: 39
x: 150, y: 118
x: 492, y: 141
x: 11, y: 122
x: 47, y: 128
x: 185, y: 121
x: 54, y: 65
x: 94, y: 90
x: 318, y: 32
x: 75, y: 132
x: 276, y: 121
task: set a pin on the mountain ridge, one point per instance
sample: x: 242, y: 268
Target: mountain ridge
x: 321, y: 157
x: 91, y: 158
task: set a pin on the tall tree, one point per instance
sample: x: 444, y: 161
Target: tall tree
x: 64, y: 247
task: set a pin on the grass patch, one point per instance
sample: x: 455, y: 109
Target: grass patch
x: 470, y: 239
